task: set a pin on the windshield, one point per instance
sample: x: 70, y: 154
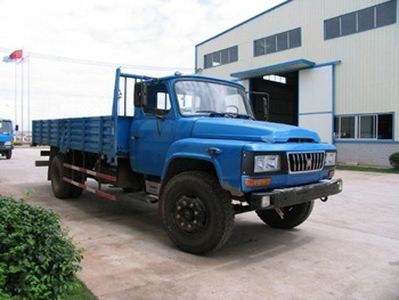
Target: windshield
x: 202, y: 97
x: 5, y: 127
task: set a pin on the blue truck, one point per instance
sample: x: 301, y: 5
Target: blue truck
x: 191, y: 144
x: 6, y: 138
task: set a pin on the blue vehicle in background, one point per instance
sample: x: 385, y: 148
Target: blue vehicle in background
x: 6, y: 138
x: 191, y: 144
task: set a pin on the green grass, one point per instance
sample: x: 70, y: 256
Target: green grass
x: 368, y: 169
x: 81, y: 293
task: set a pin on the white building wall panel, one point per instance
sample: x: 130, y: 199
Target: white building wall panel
x: 321, y: 123
x: 368, y: 75
x: 315, y: 98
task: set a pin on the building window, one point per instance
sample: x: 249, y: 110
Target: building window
x: 278, y: 42
x: 367, y: 128
x: 386, y: 13
x: 348, y: 24
x: 370, y: 126
x: 384, y: 129
x: 294, y: 37
x: 221, y: 57
x: 271, y: 44
x: 361, y: 20
x: 347, y: 127
x: 331, y: 28
x: 365, y: 19
x: 275, y: 78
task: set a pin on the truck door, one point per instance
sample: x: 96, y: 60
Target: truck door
x: 152, y: 132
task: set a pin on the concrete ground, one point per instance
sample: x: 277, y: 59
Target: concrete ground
x: 348, y: 248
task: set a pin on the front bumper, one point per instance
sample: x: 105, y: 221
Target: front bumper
x: 296, y: 195
x: 4, y: 148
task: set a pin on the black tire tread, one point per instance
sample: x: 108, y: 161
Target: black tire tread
x: 206, y: 180
x: 301, y: 213
x: 63, y: 190
x: 66, y: 190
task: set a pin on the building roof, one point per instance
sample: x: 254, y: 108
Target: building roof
x: 288, y: 66
x: 246, y: 21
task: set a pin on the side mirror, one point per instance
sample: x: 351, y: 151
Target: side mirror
x: 260, y: 105
x: 140, y: 94
x: 16, y: 127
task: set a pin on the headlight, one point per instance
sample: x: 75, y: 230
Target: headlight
x: 266, y: 163
x: 330, y: 158
x: 8, y: 143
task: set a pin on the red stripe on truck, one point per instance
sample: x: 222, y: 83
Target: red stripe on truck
x: 90, y: 172
x: 100, y: 193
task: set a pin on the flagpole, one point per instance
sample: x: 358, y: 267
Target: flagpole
x: 28, y: 87
x: 22, y: 99
x: 15, y: 97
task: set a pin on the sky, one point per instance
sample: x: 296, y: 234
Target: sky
x: 76, y: 45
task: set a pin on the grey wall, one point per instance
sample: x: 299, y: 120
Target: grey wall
x: 366, y: 154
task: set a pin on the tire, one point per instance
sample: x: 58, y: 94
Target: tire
x: 197, y: 213
x: 62, y: 189
x: 8, y: 154
x: 293, y: 215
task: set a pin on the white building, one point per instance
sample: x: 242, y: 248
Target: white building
x: 338, y: 71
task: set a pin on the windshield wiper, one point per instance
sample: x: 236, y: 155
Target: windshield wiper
x: 225, y: 114
x: 240, y: 116
x: 211, y: 113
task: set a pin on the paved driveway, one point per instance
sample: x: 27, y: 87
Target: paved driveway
x: 348, y: 248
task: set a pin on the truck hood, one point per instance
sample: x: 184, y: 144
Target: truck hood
x: 249, y: 130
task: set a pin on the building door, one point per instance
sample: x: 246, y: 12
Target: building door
x: 275, y: 98
x: 315, y: 109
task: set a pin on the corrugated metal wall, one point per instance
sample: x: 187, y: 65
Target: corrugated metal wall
x: 367, y: 78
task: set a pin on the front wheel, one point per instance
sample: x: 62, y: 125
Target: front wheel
x: 197, y: 212
x: 292, y: 215
x: 9, y: 154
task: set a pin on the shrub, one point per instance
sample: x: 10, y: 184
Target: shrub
x: 394, y: 160
x: 37, y: 259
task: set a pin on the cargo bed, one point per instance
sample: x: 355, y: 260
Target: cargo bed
x: 99, y: 135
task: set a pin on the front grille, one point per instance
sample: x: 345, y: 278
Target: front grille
x: 305, y: 161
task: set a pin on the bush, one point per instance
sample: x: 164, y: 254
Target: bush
x: 37, y: 259
x: 394, y: 160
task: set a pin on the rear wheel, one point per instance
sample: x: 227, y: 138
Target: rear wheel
x: 62, y: 189
x: 292, y: 215
x: 196, y: 212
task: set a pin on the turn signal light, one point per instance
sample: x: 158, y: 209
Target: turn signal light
x: 331, y: 173
x: 256, y: 182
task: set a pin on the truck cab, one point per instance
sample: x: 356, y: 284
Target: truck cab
x: 210, y: 121
x: 191, y: 143
x: 6, y: 138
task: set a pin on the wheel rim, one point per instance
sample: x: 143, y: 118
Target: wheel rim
x: 189, y: 214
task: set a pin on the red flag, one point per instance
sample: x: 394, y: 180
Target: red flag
x: 15, y: 56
